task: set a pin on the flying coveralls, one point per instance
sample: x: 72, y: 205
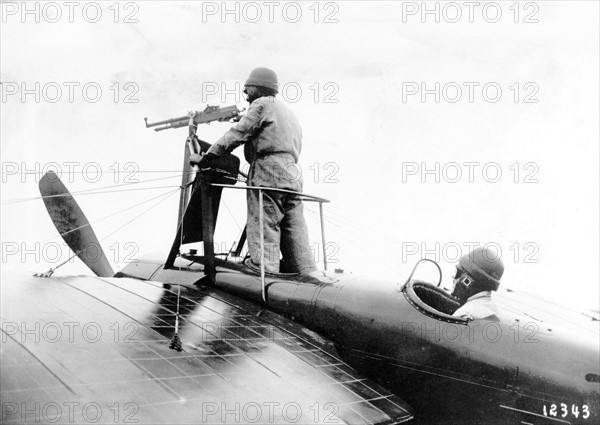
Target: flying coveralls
x: 272, y: 139
x: 479, y: 306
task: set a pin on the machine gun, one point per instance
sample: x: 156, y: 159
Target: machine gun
x: 207, y: 201
x: 193, y: 118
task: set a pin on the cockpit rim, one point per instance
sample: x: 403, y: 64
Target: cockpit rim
x: 414, y: 300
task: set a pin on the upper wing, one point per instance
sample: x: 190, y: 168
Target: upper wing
x: 81, y: 349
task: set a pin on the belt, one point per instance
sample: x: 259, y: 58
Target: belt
x: 261, y: 155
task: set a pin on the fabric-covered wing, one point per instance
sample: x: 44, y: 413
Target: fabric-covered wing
x: 82, y: 349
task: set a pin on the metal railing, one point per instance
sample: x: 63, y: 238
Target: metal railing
x: 301, y: 196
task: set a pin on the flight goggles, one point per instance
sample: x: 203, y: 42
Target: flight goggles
x: 463, y: 277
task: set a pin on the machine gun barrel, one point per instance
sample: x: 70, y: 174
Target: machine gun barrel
x: 211, y: 113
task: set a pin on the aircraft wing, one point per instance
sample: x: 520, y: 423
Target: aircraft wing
x: 87, y: 349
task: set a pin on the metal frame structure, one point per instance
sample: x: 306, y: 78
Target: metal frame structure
x: 192, y: 146
x: 208, y: 250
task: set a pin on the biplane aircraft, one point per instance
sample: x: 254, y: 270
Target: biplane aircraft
x: 213, y: 339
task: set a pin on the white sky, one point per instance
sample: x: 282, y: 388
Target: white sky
x: 382, y: 219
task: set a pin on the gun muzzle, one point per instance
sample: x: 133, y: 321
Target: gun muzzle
x: 172, y: 123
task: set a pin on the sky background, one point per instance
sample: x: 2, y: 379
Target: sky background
x: 354, y: 73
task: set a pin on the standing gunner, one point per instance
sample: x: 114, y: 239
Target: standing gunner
x: 272, y: 139
x: 477, y: 274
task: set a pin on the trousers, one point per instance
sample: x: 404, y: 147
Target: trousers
x: 284, y: 227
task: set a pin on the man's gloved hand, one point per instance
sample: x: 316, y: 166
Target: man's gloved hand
x: 195, y: 159
x: 200, y: 160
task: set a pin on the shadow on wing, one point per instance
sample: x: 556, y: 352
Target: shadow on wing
x: 81, y: 349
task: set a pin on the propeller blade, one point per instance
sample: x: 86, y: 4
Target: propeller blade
x: 73, y: 226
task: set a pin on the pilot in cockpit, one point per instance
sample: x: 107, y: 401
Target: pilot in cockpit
x: 477, y: 274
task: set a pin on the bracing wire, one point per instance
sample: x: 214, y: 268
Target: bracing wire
x: 344, y: 228
x: 165, y: 197
x: 232, y: 216
x: 99, y: 190
x: 107, y: 216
